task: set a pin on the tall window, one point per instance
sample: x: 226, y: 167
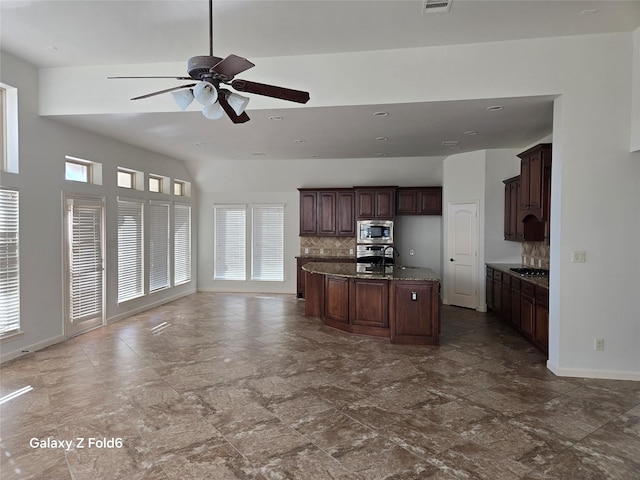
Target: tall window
x: 267, y: 256
x: 230, y: 242
x: 158, y: 246
x: 181, y: 244
x: 265, y: 250
x: 130, y: 250
x: 9, y: 265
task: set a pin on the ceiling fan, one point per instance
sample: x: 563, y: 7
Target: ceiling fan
x: 211, y: 73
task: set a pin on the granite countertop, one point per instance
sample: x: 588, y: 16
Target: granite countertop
x: 504, y: 267
x: 397, y: 272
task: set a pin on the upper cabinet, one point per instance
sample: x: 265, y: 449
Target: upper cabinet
x: 419, y: 201
x: 375, y: 202
x: 527, y: 198
x: 325, y: 212
x: 534, y: 193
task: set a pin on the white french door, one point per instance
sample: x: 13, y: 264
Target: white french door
x: 462, y: 259
x: 84, y: 263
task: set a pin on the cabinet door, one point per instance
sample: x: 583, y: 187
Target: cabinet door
x: 345, y: 221
x: 308, y: 211
x: 369, y: 305
x: 535, y: 181
x: 365, y: 204
x: 336, y: 298
x: 430, y: 201
x: 524, y: 183
x: 489, y: 288
x: 385, y: 203
x: 407, y: 202
x: 541, y: 327
x: 326, y: 213
x: 527, y: 315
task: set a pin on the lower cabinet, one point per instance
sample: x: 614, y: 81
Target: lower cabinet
x: 524, y: 305
x: 369, y: 306
x: 414, y: 312
x: 336, y: 300
x: 300, y: 276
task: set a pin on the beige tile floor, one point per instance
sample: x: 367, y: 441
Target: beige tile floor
x: 244, y: 386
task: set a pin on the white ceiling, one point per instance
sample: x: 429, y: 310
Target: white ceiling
x: 53, y: 33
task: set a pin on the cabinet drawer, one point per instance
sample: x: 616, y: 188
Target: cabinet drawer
x: 527, y: 289
x: 497, y: 275
x: 515, y: 283
x: 489, y: 272
x: 506, y: 279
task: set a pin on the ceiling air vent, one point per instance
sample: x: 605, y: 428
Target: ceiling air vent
x: 436, y: 6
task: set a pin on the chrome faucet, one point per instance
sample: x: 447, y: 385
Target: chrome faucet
x: 384, y: 256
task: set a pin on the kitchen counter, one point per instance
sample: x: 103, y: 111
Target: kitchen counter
x: 402, y: 303
x: 348, y: 270
x: 505, y: 267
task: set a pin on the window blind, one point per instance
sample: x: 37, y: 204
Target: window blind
x: 267, y: 254
x: 130, y: 250
x: 158, y: 246
x: 229, y: 243
x: 181, y: 244
x: 9, y: 262
x: 85, y: 259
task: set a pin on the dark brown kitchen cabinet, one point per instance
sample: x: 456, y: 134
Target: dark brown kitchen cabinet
x: 375, y: 202
x: 308, y: 213
x: 369, y: 306
x: 336, y: 301
x: 414, y: 312
x: 513, y: 227
x: 419, y: 201
x: 534, y: 194
x: 327, y: 212
x: 521, y: 303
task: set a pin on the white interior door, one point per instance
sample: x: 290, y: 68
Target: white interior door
x: 462, y: 259
x: 84, y: 263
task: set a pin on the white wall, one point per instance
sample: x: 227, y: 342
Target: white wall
x: 43, y: 146
x: 423, y: 235
x: 635, y: 95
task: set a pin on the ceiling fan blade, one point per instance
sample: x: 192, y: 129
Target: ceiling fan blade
x: 175, y: 78
x: 271, y: 91
x: 222, y: 99
x: 230, y: 66
x: 191, y: 85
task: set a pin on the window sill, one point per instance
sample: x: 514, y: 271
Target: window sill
x: 11, y: 336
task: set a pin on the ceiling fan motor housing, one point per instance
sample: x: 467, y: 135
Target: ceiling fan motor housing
x: 199, y: 67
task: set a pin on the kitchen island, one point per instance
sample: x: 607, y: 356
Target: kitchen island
x: 401, y: 303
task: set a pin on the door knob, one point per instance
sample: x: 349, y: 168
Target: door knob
x: 452, y: 259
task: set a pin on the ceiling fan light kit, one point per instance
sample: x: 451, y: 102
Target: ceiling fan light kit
x: 210, y: 71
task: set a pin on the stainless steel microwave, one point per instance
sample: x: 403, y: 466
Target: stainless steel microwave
x: 375, y: 232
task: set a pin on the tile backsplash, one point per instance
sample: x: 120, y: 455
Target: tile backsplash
x: 535, y: 254
x: 327, y: 246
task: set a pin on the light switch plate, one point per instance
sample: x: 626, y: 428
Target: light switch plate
x: 578, y: 256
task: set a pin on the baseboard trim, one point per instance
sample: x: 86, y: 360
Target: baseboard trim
x: 148, y: 306
x: 21, y: 352
x: 588, y: 373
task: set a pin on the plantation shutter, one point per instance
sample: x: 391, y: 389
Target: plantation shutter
x: 229, y: 242
x: 9, y: 264
x: 130, y: 250
x: 85, y: 259
x: 181, y: 244
x: 267, y: 262
x: 158, y: 246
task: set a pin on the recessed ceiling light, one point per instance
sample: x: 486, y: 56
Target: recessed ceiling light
x: 495, y: 108
x: 450, y: 143
x: 381, y: 154
x: 315, y: 156
x: 590, y: 11
x: 199, y: 144
x: 276, y: 117
x: 471, y: 132
x: 381, y: 114
x: 382, y: 139
x: 257, y: 154
x: 299, y: 141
